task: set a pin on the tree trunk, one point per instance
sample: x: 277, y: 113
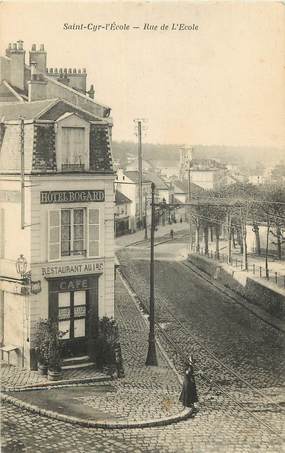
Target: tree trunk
x: 206, y: 239
x: 217, y: 233
x: 211, y: 234
x: 266, y: 250
x: 239, y: 239
x: 229, y: 239
x: 244, y: 241
x: 234, y: 239
x: 279, y: 238
x: 197, y: 245
x: 257, y: 239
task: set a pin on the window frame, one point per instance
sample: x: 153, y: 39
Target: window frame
x: 88, y: 232
x: 72, y: 234
x: 86, y: 238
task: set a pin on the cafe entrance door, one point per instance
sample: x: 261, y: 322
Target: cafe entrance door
x: 73, y: 304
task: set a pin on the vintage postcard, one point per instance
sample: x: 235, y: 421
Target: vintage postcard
x: 142, y: 226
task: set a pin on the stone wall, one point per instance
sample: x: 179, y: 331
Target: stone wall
x: 258, y: 292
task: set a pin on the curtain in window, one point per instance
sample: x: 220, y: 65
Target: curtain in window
x: 78, y: 230
x: 72, y: 151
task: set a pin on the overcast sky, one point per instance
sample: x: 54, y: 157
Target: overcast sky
x: 223, y: 84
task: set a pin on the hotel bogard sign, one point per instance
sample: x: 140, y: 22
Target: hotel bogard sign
x: 72, y: 196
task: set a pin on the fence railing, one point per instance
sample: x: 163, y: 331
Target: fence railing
x: 253, y: 268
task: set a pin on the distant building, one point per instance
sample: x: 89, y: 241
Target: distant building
x: 180, y: 191
x: 122, y: 217
x: 167, y: 169
x: 133, y: 165
x: 56, y: 205
x: 210, y: 174
x: 161, y: 187
x: 128, y: 184
x: 179, y: 195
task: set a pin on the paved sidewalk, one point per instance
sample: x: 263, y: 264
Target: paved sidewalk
x: 146, y: 396
x: 256, y: 264
x: 128, y: 239
x: 13, y: 377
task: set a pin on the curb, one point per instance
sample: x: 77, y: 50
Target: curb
x: 183, y: 415
x: 162, y: 350
x: 56, y: 384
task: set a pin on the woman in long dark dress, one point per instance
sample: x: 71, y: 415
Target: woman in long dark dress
x: 188, y: 394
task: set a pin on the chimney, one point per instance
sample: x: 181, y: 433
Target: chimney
x: 91, y: 92
x: 8, y: 49
x: 37, y: 86
x: 39, y: 57
x: 17, y: 55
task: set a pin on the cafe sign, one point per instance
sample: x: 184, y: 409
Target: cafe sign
x: 72, y: 196
x: 61, y: 270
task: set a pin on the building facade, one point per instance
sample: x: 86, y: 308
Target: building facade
x: 128, y: 184
x: 56, y: 206
x: 122, y: 217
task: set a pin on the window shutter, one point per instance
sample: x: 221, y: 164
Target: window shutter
x: 2, y: 233
x: 54, y: 235
x: 93, y: 232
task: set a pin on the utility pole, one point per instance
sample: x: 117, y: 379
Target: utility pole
x: 139, y: 133
x: 145, y: 216
x: 151, y: 359
x: 22, y: 150
x: 189, y: 199
x: 229, y: 225
x: 267, y: 246
x: 244, y: 241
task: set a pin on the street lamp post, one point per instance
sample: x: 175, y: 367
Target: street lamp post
x: 151, y: 354
x: 145, y: 216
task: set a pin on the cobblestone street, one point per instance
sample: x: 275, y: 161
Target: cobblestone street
x: 217, y: 427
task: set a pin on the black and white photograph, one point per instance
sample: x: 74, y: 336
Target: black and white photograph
x: 142, y: 226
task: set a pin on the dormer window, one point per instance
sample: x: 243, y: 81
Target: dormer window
x: 73, y: 147
x: 72, y: 143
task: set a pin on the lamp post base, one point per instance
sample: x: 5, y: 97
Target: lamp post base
x: 151, y: 359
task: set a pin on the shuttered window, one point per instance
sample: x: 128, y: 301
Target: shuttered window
x: 70, y: 234
x: 54, y: 235
x: 93, y: 232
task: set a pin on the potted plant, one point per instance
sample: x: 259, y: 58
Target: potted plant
x: 48, y: 348
x: 55, y: 352
x: 41, y: 345
x: 107, y: 348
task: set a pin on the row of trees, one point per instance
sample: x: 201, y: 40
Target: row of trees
x: 235, y: 207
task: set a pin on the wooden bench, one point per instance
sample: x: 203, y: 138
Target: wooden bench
x: 8, y: 349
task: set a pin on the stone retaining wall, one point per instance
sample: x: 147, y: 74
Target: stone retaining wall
x: 261, y: 293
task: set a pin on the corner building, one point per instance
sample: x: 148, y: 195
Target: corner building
x: 56, y: 206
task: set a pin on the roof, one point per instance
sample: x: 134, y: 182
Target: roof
x: 61, y: 106
x: 26, y: 110
x: 134, y: 176
x: 183, y: 187
x: 47, y: 109
x: 159, y: 183
x: 120, y: 198
x: 8, y: 93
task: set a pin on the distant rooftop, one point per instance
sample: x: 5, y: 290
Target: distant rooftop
x: 134, y: 176
x: 120, y: 198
